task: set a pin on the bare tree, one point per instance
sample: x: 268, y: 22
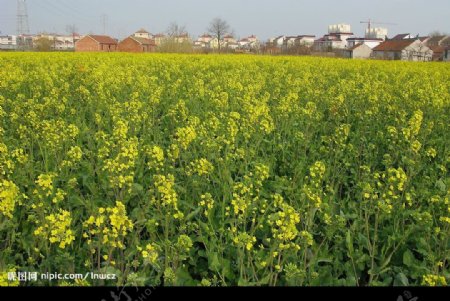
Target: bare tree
x: 72, y: 30
x: 218, y: 28
x: 437, y: 33
x: 177, y: 40
x: 175, y: 30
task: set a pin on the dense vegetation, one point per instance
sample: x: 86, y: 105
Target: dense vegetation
x: 224, y: 170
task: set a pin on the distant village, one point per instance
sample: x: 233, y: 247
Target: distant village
x: 338, y: 42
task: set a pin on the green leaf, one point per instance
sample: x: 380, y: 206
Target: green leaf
x: 183, y: 278
x: 226, y: 269
x: 243, y: 282
x: 213, y: 261
x: 441, y: 186
x: 137, y: 188
x: 265, y: 280
x: 351, y: 281
x: 408, y: 258
x: 193, y: 214
x: 401, y: 280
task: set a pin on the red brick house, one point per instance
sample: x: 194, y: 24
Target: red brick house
x: 96, y: 43
x: 136, y: 44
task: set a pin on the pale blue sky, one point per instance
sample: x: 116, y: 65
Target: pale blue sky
x: 264, y: 18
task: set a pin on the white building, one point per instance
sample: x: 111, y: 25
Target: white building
x: 205, y: 38
x: 376, y: 33
x: 335, y: 39
x: 249, y: 43
x: 301, y: 40
x: 358, y: 51
x: 403, y: 49
x: 8, y: 42
x: 372, y: 43
x: 339, y: 29
x: 59, y: 42
x: 142, y: 33
x: 278, y: 41
x: 159, y: 38
x: 229, y: 39
x: 305, y: 40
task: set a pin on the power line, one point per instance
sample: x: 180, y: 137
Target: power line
x: 64, y: 10
x: 49, y: 7
x: 76, y: 10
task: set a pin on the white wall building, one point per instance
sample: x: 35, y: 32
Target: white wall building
x: 372, y: 43
x: 335, y: 39
x: 376, y: 33
x: 8, y: 42
x: 142, y: 33
x: 359, y: 51
x: 339, y: 28
x: 59, y: 42
x: 305, y: 40
x: 405, y: 50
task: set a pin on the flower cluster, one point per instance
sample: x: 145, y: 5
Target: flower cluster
x: 110, y: 226
x: 45, y: 183
x: 74, y: 156
x: 9, y: 194
x: 150, y: 254
x: 121, y: 167
x: 184, y: 243
x: 200, y: 167
x: 156, y: 158
x: 207, y: 202
x: 313, y: 189
x: 19, y: 155
x: 283, y: 223
x: 56, y: 133
x: 434, y: 280
x: 185, y: 136
x: 244, y: 240
x: 56, y: 228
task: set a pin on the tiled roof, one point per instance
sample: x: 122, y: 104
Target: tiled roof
x: 363, y: 39
x: 436, y: 39
x: 394, y: 45
x: 437, y: 49
x: 341, y: 33
x: 400, y: 36
x: 103, y: 39
x: 143, y: 41
x: 142, y: 30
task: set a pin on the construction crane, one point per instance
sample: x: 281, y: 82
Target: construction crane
x: 370, y: 22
